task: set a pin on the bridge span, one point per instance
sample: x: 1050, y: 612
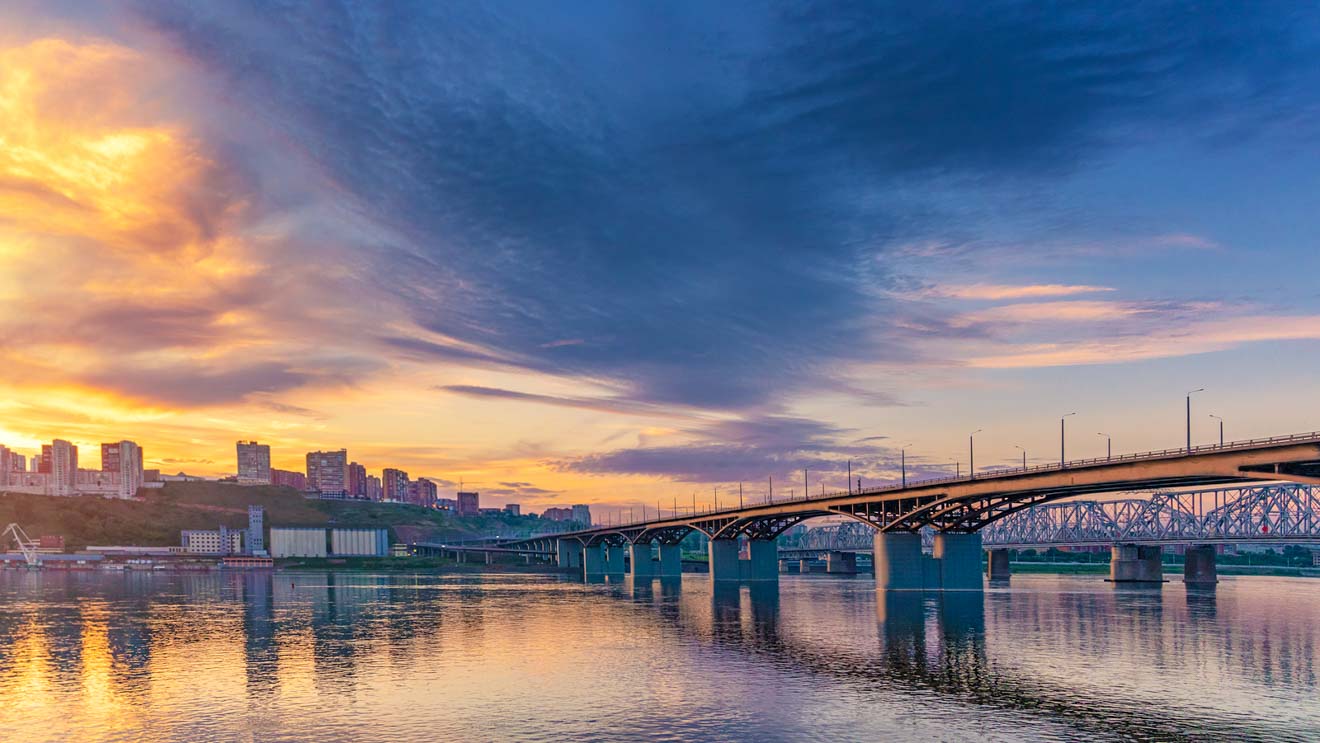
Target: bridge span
x: 956, y: 509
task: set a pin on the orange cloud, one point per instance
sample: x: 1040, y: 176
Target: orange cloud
x: 1012, y: 291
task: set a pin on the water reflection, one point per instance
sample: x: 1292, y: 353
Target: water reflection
x: 345, y: 656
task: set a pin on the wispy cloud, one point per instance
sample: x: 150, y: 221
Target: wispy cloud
x: 1159, y: 342
x: 992, y: 292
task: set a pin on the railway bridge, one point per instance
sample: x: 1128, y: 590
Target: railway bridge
x: 955, y: 509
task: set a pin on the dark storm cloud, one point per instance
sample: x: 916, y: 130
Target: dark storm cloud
x: 687, y: 199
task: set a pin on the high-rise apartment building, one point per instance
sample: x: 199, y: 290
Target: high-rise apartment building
x: 253, y: 463
x: 513, y: 509
x: 327, y: 473
x: 63, y: 467
x: 582, y: 514
x: 375, y: 489
x: 357, y: 480
x: 124, y: 457
x: 7, y: 459
x: 43, y: 464
x: 469, y: 504
x: 394, y: 484
x: 422, y: 492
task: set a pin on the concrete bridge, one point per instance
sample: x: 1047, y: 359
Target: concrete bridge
x: 742, y: 539
x: 1273, y: 513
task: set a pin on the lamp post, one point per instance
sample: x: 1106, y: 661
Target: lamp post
x: 902, y: 459
x: 1063, y: 461
x: 1189, y: 417
x: 1109, y: 445
x: 971, y: 454
x: 1024, y: 456
x: 1221, y: 429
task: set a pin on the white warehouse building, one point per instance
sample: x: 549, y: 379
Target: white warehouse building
x: 294, y: 542
x: 360, y: 542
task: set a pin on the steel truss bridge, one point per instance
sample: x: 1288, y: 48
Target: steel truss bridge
x: 968, y: 504
x: 1263, y: 513
x: 1276, y: 512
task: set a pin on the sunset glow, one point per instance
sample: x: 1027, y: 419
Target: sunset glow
x: 210, y: 243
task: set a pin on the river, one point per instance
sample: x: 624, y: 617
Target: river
x: 344, y: 656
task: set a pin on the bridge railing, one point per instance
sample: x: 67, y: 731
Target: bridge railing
x: 711, y: 511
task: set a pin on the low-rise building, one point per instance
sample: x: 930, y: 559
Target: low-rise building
x: 513, y: 509
x: 557, y: 514
x: 222, y: 541
x: 288, y: 479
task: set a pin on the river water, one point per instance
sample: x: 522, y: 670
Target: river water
x: 343, y: 656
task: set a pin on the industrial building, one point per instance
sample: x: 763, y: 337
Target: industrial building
x: 296, y: 542
x: 322, y: 542
x: 360, y: 542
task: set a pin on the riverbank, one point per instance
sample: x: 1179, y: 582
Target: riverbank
x: 409, y: 565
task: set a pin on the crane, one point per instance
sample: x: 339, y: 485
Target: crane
x: 25, y: 545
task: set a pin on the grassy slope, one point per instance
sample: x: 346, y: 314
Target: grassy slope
x: 158, y: 519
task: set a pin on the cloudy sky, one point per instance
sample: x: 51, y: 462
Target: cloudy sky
x: 621, y: 253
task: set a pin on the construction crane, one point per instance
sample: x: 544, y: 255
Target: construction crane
x: 27, y: 546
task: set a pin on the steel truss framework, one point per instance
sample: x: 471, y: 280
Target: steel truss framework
x: 1276, y: 513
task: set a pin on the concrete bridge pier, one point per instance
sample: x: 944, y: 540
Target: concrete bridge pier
x: 593, y: 561
x: 762, y: 560
x: 897, y: 561
x: 570, y: 553
x: 804, y: 565
x: 1199, y: 569
x: 671, y: 561
x: 642, y: 564
x: 960, y: 561
x: 614, y: 559
x: 1131, y: 563
x: 788, y: 566
x: 724, y: 559
x: 996, y: 566
x: 841, y: 563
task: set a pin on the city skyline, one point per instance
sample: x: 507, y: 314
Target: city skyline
x: 623, y: 255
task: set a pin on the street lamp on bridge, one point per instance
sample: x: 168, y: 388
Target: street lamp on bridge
x: 1024, y: 455
x: 1063, y: 461
x: 1189, y: 417
x: 902, y: 459
x: 1109, y: 445
x: 971, y: 453
x: 1221, y: 429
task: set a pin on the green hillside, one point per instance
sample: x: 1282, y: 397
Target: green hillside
x: 162, y: 514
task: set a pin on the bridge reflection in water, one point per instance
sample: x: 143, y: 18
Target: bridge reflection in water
x: 324, y: 655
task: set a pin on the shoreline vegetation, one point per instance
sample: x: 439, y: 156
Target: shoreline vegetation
x: 157, y: 516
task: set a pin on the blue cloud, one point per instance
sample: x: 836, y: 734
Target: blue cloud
x: 701, y: 196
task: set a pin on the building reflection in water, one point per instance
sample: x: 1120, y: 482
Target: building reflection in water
x: 114, y: 648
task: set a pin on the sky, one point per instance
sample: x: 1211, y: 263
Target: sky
x: 628, y: 253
